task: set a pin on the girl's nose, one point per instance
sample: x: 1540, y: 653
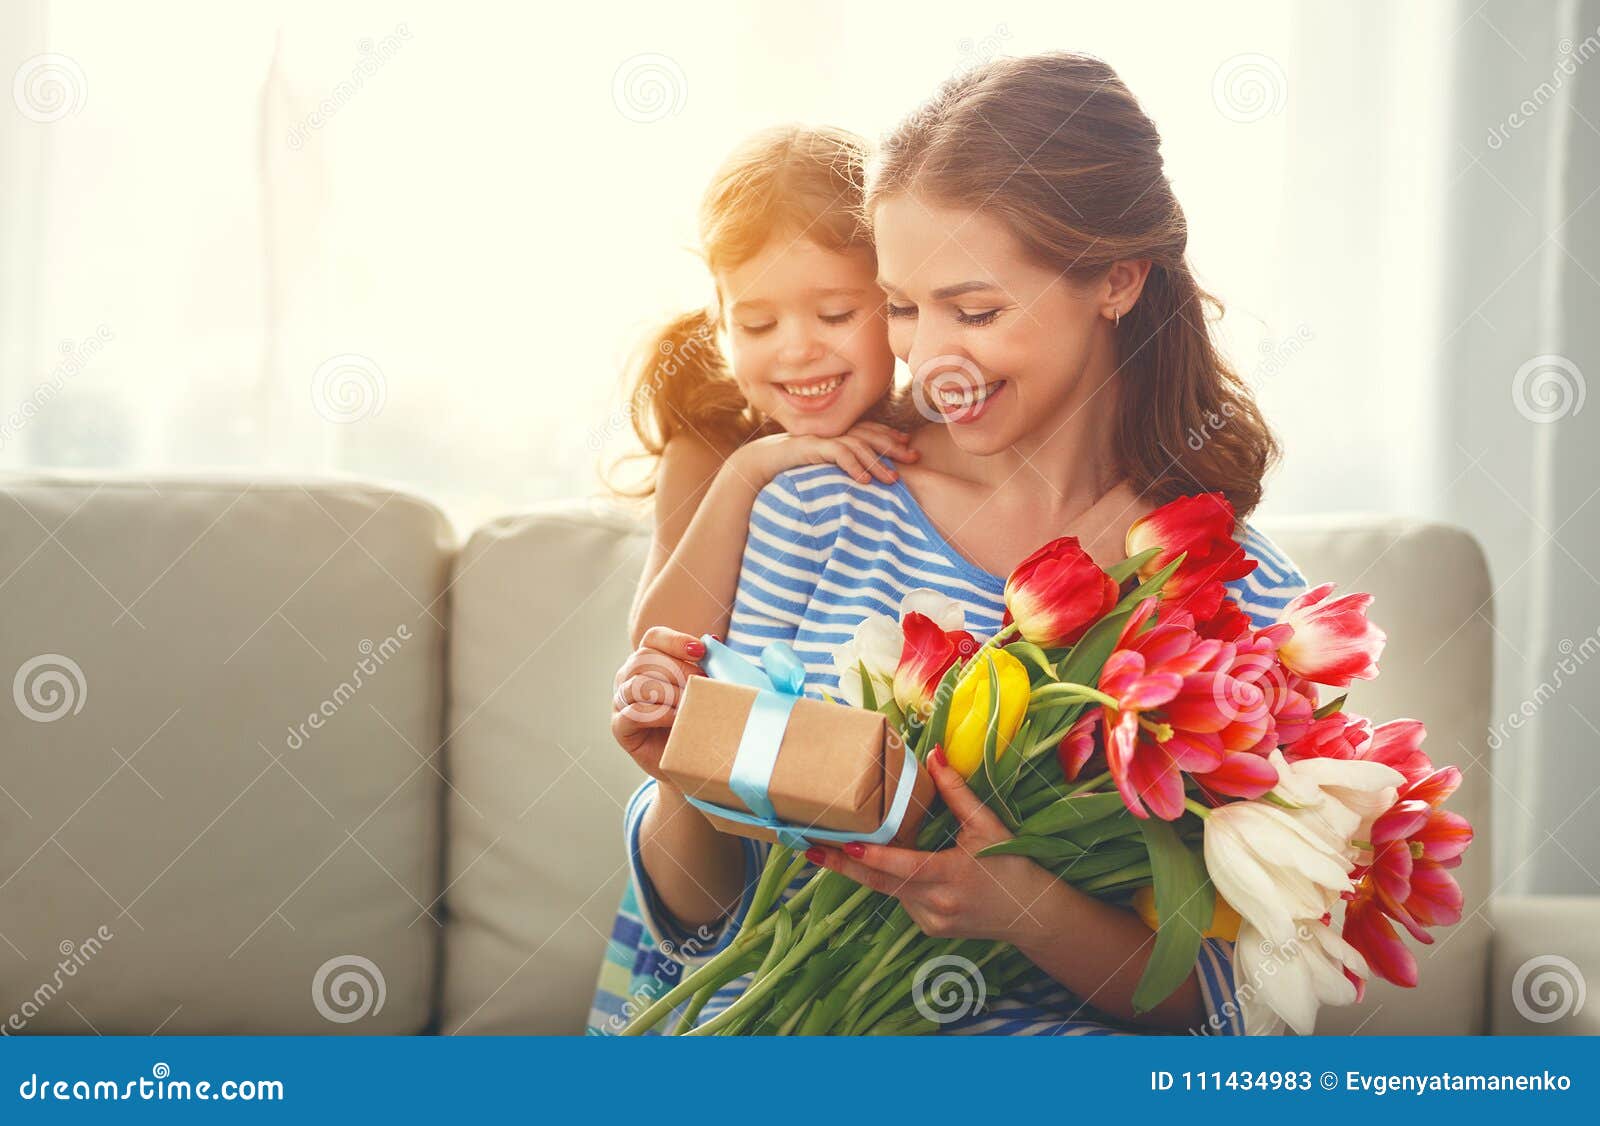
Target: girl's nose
x: 800, y: 344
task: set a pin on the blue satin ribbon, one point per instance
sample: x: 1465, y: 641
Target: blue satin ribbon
x: 777, y: 690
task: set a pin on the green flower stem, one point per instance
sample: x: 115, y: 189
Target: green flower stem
x: 816, y: 932
x: 744, y: 943
x: 1196, y: 808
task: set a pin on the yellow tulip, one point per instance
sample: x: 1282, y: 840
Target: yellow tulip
x: 969, y: 710
x: 1224, y: 919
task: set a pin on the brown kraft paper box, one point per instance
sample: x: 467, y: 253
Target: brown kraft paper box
x: 837, y: 766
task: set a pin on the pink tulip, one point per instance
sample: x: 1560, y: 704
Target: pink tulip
x: 1331, y: 642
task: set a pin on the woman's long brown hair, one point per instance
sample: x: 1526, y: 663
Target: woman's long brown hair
x: 1057, y: 148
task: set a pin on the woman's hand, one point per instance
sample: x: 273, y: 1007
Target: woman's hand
x: 951, y: 893
x: 856, y: 452
x: 649, y: 686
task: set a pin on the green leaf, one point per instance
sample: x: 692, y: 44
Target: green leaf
x: 1106, y: 858
x: 1030, y: 654
x: 941, y: 711
x: 1151, y: 586
x: 1051, y: 850
x: 1069, y: 813
x: 1088, y: 656
x: 1121, y: 572
x: 869, y: 698
x: 991, y: 739
x: 1331, y: 706
x: 1184, y: 904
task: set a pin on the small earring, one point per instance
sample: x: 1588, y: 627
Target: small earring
x: 1116, y: 316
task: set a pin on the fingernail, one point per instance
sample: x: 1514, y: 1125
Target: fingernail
x: 815, y: 855
x: 696, y: 648
x: 717, y: 637
x: 937, y: 757
x: 855, y: 849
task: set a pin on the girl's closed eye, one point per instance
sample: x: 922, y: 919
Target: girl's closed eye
x: 758, y: 329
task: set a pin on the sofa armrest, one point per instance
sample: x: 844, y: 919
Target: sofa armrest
x: 1546, y: 956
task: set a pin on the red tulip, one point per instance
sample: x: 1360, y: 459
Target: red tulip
x: 926, y: 656
x: 1200, y: 528
x: 1332, y: 641
x: 1057, y: 593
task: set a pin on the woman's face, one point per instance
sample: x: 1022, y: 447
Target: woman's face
x: 1000, y: 348
x: 807, y: 342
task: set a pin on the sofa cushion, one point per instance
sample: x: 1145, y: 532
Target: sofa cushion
x: 1431, y: 595
x: 535, y: 863
x: 182, y: 845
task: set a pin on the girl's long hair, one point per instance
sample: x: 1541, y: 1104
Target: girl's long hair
x: 788, y: 182
x: 1057, y: 148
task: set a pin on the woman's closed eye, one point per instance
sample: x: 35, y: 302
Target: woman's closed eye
x: 984, y: 317
x: 838, y: 318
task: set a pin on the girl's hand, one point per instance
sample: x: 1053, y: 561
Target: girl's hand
x: 856, y: 452
x: 951, y: 893
x: 649, y: 686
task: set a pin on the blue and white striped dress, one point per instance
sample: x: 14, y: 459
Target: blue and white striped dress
x: 823, y: 552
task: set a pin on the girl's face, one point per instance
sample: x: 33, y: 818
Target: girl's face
x: 1000, y: 348
x: 807, y: 341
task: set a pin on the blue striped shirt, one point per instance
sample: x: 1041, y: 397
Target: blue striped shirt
x: 823, y: 552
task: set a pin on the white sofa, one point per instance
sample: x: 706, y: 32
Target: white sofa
x: 271, y: 743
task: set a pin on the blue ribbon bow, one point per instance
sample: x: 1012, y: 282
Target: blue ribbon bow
x: 777, y: 690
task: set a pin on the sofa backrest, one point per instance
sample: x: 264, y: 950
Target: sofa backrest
x: 219, y: 746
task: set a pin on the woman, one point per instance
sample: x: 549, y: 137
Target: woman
x: 1033, y: 258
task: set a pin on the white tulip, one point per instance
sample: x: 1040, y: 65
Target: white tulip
x: 1286, y: 983
x: 878, y: 640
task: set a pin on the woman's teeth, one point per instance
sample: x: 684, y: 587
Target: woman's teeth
x: 960, y: 398
x: 814, y: 390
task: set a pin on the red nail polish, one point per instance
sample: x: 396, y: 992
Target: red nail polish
x: 937, y: 756
x: 696, y: 649
x: 855, y: 849
x: 815, y: 855
x: 717, y: 637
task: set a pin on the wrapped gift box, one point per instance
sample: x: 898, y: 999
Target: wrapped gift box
x: 837, y: 767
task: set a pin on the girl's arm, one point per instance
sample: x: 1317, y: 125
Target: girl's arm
x: 706, y: 524
x: 688, y: 466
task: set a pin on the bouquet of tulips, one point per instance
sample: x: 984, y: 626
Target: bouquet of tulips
x: 1146, y: 744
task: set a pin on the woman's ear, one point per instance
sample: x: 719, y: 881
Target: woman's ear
x: 1124, y: 283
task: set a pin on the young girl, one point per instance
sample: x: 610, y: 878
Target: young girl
x: 1033, y: 254
x: 805, y: 379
